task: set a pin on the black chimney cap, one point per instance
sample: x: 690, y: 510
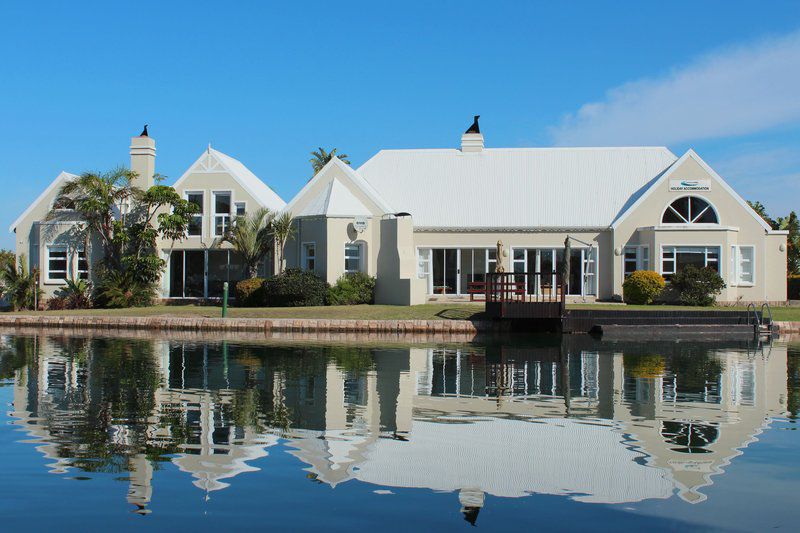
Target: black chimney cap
x: 144, y: 132
x: 474, y: 128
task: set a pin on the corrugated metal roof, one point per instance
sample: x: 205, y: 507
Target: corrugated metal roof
x: 515, y: 187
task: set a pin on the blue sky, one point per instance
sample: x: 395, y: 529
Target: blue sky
x: 268, y: 83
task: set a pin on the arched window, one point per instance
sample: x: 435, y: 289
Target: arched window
x: 690, y: 210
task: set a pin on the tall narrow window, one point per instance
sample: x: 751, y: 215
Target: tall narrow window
x: 222, y: 213
x: 196, y: 222
x: 352, y: 258
x: 424, y: 263
x: 690, y: 210
x: 742, y: 265
x: 57, y: 263
x: 83, y: 264
x: 309, y: 258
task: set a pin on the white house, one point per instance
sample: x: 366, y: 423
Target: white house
x: 426, y: 222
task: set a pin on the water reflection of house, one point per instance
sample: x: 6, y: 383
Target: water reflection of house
x: 494, y: 420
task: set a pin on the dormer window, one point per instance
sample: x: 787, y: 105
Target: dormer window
x: 690, y: 210
x: 64, y: 203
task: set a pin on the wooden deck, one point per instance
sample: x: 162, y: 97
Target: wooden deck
x: 525, y: 295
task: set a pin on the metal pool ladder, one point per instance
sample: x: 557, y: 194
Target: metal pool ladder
x: 762, y: 323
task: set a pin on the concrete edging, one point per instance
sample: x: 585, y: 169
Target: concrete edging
x: 171, y: 323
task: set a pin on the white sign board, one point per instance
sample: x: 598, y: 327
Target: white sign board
x: 360, y: 224
x: 689, y: 185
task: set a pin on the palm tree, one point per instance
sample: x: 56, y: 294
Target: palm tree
x: 97, y: 199
x: 251, y: 237
x: 18, y: 285
x: 320, y: 158
x: 282, y: 229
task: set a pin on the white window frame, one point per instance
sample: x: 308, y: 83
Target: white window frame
x: 735, y: 277
x: 224, y: 216
x: 60, y: 248
x: 685, y: 221
x: 305, y: 256
x: 81, y: 250
x: 589, y: 263
x: 236, y: 209
x: 674, y: 248
x: 642, y: 258
x: 360, y: 247
x: 201, y: 215
x: 488, y: 261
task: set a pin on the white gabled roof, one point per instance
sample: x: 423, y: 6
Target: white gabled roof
x: 341, y: 201
x: 215, y: 161
x: 335, y: 200
x: 690, y: 154
x: 60, y: 180
x: 514, y: 187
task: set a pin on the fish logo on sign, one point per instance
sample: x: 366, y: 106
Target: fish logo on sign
x: 689, y: 185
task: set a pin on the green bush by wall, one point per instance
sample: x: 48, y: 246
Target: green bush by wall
x: 295, y: 288
x: 697, y: 286
x: 352, y: 289
x: 642, y: 287
x: 250, y: 293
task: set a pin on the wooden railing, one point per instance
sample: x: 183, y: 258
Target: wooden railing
x: 531, y: 287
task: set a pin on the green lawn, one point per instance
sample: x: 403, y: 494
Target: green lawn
x: 436, y: 311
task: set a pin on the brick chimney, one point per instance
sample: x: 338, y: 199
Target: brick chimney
x: 143, y: 160
x: 472, y: 140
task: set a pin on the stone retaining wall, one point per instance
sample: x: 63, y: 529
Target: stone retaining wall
x: 171, y: 323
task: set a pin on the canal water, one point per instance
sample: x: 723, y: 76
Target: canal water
x: 567, y: 433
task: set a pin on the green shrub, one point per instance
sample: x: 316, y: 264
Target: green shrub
x: 250, y: 293
x: 352, y: 289
x: 793, y: 287
x: 697, y: 286
x: 115, y: 289
x: 642, y: 287
x: 295, y: 288
x: 76, y: 294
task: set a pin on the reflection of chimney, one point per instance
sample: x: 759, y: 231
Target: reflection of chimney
x: 472, y: 140
x: 143, y: 159
x: 471, y: 504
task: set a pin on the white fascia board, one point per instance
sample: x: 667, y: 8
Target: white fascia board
x: 61, y: 178
x: 543, y: 229
x: 225, y: 167
x: 666, y: 175
x: 730, y: 190
x: 357, y: 181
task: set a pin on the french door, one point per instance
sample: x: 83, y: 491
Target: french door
x: 582, y: 263
x: 453, y: 269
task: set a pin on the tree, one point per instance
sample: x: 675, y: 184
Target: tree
x: 792, y: 225
x: 252, y: 238
x: 126, y: 220
x: 7, y: 257
x: 761, y: 209
x: 320, y: 158
x: 283, y: 230
x: 19, y: 286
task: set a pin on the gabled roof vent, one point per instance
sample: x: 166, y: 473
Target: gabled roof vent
x: 472, y: 140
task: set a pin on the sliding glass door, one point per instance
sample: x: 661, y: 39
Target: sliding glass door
x: 451, y: 270
x: 202, y: 273
x: 550, y: 261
